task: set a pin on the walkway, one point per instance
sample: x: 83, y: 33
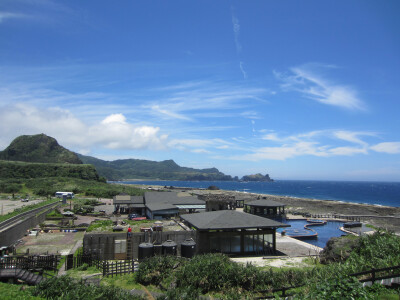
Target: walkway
x: 62, y: 271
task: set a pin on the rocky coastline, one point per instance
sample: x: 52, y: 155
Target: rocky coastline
x: 376, y: 215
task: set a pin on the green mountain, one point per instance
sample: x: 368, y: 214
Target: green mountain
x: 146, y: 169
x: 43, y: 149
x: 38, y: 148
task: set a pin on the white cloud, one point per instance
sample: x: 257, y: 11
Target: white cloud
x: 113, y: 132
x: 387, y: 147
x: 312, y: 143
x: 236, y: 31
x: 201, y: 151
x: 250, y: 115
x: 7, y: 15
x: 244, y: 73
x: 351, y: 136
x: 271, y: 137
x: 222, y: 147
x: 167, y: 113
x: 305, y: 80
x: 198, y: 145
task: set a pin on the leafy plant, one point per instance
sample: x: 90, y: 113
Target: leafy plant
x: 65, y: 287
x: 101, y: 225
x: 336, y: 288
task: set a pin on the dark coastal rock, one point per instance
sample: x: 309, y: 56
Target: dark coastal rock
x: 338, y: 249
x: 257, y: 177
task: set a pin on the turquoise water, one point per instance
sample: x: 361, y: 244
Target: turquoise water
x: 325, y: 232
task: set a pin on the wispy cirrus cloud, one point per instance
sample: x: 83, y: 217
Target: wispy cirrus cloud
x: 319, y: 143
x: 387, y: 147
x: 236, y: 30
x: 209, y: 99
x: 244, y: 73
x: 238, y: 45
x: 4, y: 16
x: 307, y: 81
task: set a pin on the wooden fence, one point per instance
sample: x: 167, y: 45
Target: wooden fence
x: 119, y: 267
x: 372, y: 275
x: 108, y: 268
x: 73, y: 262
x: 45, y: 262
x: 378, y: 274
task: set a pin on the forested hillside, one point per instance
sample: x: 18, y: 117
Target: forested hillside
x: 146, y: 169
x: 15, y: 169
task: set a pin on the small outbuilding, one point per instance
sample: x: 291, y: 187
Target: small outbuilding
x: 265, y: 208
x: 126, y: 204
x: 233, y: 232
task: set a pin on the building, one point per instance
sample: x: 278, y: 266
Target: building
x: 265, y: 208
x: 233, y: 232
x: 221, y: 202
x: 126, y: 204
x: 158, y: 205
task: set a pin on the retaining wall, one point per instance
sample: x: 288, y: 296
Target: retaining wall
x: 15, y: 231
x: 103, y: 243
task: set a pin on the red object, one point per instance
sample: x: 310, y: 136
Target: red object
x: 139, y: 219
x: 129, y: 229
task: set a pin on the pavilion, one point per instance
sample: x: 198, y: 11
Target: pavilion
x: 265, y: 208
x: 233, y: 232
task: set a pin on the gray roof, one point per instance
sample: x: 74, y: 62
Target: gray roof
x: 229, y: 219
x: 171, y: 198
x: 161, y: 206
x: 126, y: 199
x: 265, y: 203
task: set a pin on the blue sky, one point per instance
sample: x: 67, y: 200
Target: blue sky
x: 296, y: 89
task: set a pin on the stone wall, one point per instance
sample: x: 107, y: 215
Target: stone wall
x: 15, y: 231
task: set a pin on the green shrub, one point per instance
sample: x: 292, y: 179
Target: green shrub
x: 14, y: 292
x: 336, y: 288
x: 65, y: 287
x: 379, y: 250
x: 101, y: 225
x: 155, y: 269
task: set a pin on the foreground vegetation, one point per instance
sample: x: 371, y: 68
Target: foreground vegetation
x: 215, y: 274
x: 49, y: 186
x: 66, y: 288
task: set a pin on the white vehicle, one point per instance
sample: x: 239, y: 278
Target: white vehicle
x: 68, y: 194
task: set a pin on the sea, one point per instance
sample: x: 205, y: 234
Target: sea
x: 376, y: 193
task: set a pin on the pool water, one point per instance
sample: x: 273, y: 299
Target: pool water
x: 325, y: 232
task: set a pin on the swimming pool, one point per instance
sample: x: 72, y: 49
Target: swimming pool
x: 325, y: 232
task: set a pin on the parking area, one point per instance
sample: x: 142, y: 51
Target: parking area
x: 8, y: 205
x: 54, y: 242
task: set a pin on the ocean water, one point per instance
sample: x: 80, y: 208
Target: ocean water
x: 377, y: 193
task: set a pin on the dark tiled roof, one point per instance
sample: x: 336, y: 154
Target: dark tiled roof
x: 161, y: 206
x: 126, y: 199
x: 229, y: 219
x: 265, y: 203
x: 171, y: 198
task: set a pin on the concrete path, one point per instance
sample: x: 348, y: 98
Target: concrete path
x: 62, y: 271
x: 293, y: 247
